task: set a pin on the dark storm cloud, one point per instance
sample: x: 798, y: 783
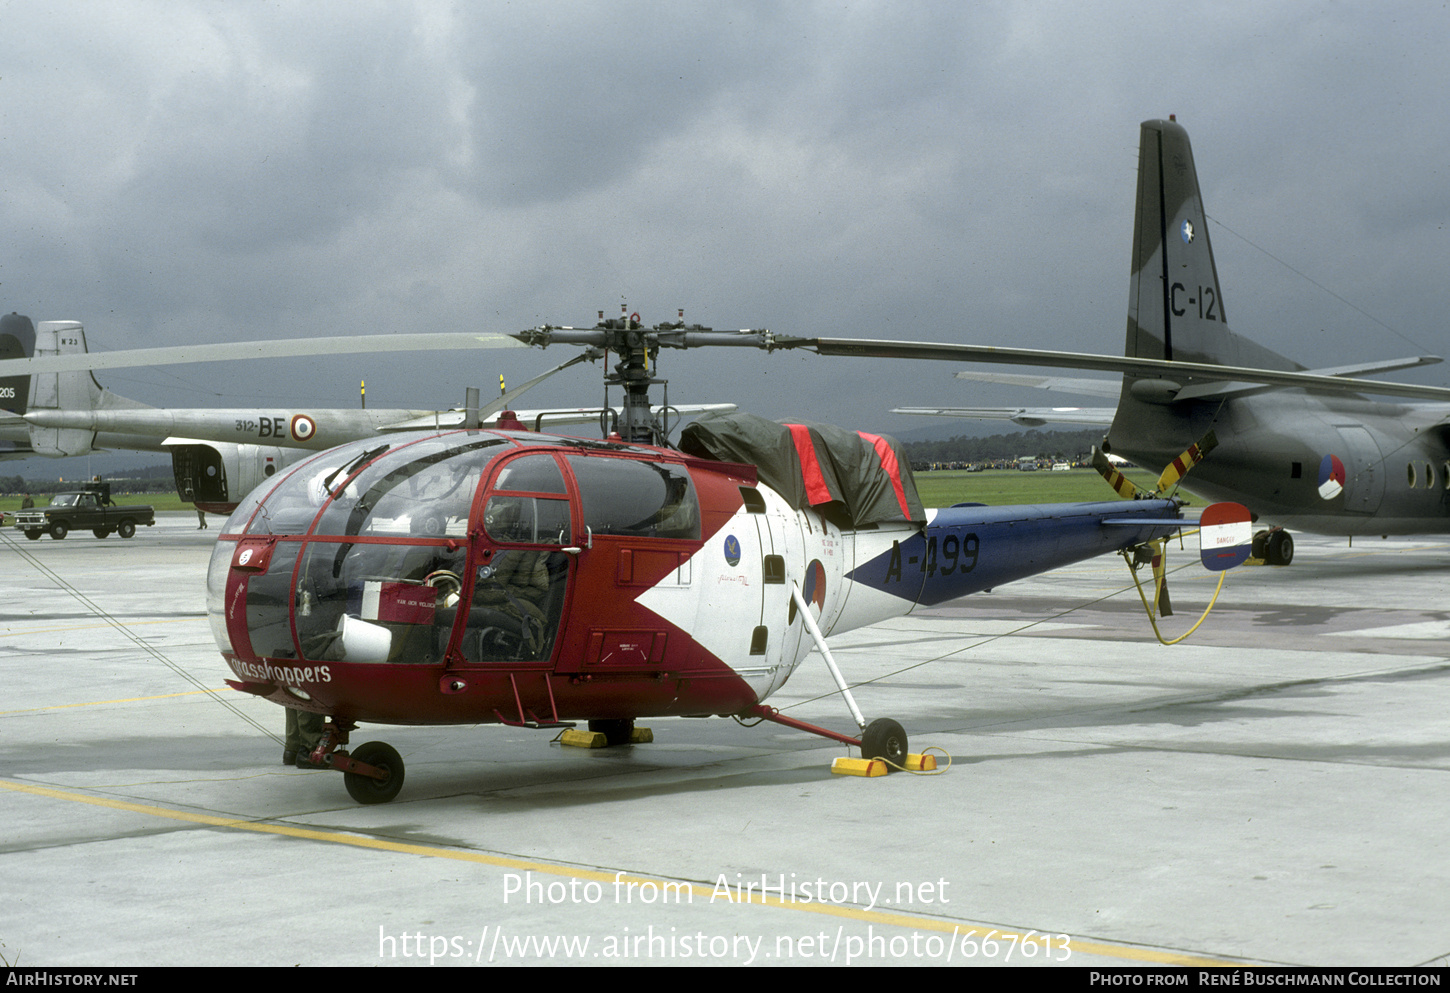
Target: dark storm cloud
x: 180, y: 171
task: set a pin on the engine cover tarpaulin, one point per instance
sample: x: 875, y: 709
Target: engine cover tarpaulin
x: 857, y: 477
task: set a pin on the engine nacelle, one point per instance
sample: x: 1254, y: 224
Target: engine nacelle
x: 216, y: 475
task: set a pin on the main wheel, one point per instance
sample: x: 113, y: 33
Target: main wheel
x: 1280, y: 548
x: 366, y: 789
x: 59, y: 530
x: 126, y: 529
x: 884, y: 739
x: 616, y: 731
x: 33, y: 533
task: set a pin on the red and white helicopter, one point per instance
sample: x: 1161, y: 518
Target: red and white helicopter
x: 500, y: 575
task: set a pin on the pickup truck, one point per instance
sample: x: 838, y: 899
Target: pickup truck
x: 89, y: 507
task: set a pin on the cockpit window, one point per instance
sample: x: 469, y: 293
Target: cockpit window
x: 633, y: 497
x: 288, y: 507
x: 514, y: 513
x: 422, y: 490
x: 531, y: 474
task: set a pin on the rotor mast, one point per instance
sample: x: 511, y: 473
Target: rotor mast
x: 637, y: 348
x: 636, y: 352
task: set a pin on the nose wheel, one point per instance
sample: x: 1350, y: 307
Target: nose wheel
x: 381, y: 775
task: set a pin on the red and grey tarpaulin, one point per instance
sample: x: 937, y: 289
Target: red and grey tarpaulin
x: 859, y: 477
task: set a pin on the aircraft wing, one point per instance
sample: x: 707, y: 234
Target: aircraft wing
x: 1060, y: 384
x: 1026, y: 416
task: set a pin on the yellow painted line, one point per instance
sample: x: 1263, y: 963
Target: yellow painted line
x: 544, y: 868
x: 101, y: 703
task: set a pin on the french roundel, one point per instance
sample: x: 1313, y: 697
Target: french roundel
x: 1331, y: 477
x: 303, y: 427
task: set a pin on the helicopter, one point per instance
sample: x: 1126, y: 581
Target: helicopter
x: 489, y: 574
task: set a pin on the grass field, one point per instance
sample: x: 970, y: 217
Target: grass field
x: 1002, y: 486
x: 938, y: 489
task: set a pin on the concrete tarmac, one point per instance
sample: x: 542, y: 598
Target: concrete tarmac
x: 1272, y: 791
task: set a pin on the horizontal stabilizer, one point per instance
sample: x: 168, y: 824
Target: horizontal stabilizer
x: 1370, y: 368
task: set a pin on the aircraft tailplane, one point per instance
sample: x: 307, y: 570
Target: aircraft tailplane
x: 62, y: 391
x: 1176, y: 308
x: 17, y: 341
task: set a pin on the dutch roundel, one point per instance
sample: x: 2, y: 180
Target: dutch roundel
x: 1331, y: 477
x: 303, y: 427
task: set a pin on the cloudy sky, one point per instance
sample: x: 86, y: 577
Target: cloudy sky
x: 199, y: 171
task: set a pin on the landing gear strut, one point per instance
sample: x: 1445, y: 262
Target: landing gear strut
x: 372, y: 773
x: 385, y: 762
x: 883, y: 738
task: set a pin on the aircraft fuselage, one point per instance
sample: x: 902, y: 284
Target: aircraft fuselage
x: 1331, y: 465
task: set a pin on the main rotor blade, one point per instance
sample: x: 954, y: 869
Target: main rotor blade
x: 243, y: 350
x: 1172, y: 369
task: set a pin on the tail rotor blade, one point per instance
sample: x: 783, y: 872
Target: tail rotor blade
x: 1160, y: 581
x: 1179, y: 467
x: 1122, y: 484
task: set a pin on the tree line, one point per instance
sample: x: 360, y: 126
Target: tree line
x: 152, y: 479
x: 1057, y: 445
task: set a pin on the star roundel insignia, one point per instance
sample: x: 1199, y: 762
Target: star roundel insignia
x: 1188, y: 232
x: 303, y: 427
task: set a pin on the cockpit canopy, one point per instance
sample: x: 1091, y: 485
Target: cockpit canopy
x: 382, y: 542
